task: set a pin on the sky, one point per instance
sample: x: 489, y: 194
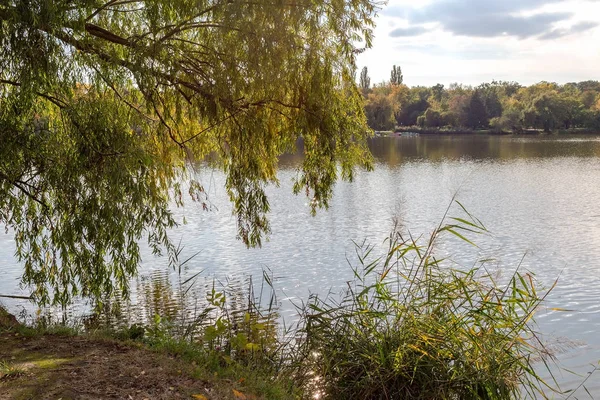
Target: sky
x: 475, y: 41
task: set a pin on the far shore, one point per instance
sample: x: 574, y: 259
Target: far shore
x: 407, y: 130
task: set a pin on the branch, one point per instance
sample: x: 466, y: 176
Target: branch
x: 129, y: 104
x: 8, y: 296
x: 90, y: 49
x: 179, y: 28
x: 109, y: 4
x: 169, y: 130
x: 102, y: 33
x: 16, y: 184
x: 57, y: 102
x: 232, y: 115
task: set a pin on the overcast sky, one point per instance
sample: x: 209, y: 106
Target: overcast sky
x: 474, y: 41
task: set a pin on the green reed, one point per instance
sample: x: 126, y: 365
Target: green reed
x: 410, y: 327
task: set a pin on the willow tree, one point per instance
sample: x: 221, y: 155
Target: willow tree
x: 106, y: 105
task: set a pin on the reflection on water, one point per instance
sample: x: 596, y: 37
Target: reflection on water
x: 395, y: 151
x: 538, y: 196
x: 188, y: 307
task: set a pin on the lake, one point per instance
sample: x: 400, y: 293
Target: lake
x: 538, y: 196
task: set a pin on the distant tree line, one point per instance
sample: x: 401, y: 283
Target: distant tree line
x: 500, y: 106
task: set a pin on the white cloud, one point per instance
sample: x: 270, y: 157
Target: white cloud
x: 431, y: 50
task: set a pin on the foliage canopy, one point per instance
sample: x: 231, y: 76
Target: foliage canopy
x: 105, y: 106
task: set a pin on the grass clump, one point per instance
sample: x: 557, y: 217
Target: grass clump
x: 409, y: 327
x: 228, y: 332
x: 9, y: 371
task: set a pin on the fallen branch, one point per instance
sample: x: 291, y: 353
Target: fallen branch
x: 8, y: 296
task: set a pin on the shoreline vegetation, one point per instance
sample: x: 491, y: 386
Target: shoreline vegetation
x: 412, y: 130
x: 497, y: 107
x: 408, y: 327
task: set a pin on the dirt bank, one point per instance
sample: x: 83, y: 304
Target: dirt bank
x: 77, y: 367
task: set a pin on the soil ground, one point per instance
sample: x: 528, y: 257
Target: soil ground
x: 67, y: 367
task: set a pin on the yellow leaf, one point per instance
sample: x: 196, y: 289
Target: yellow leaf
x: 199, y: 397
x: 239, y: 395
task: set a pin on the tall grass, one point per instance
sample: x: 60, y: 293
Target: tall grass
x: 409, y: 327
x: 228, y: 323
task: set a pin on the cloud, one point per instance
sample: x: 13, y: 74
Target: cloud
x: 577, y: 28
x: 584, y: 26
x: 440, y: 8
x: 503, y: 25
x: 410, y: 31
x: 468, y: 52
x: 481, y: 18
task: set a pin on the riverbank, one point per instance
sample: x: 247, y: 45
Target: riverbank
x: 54, y: 366
x: 467, y: 131
x: 60, y: 363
